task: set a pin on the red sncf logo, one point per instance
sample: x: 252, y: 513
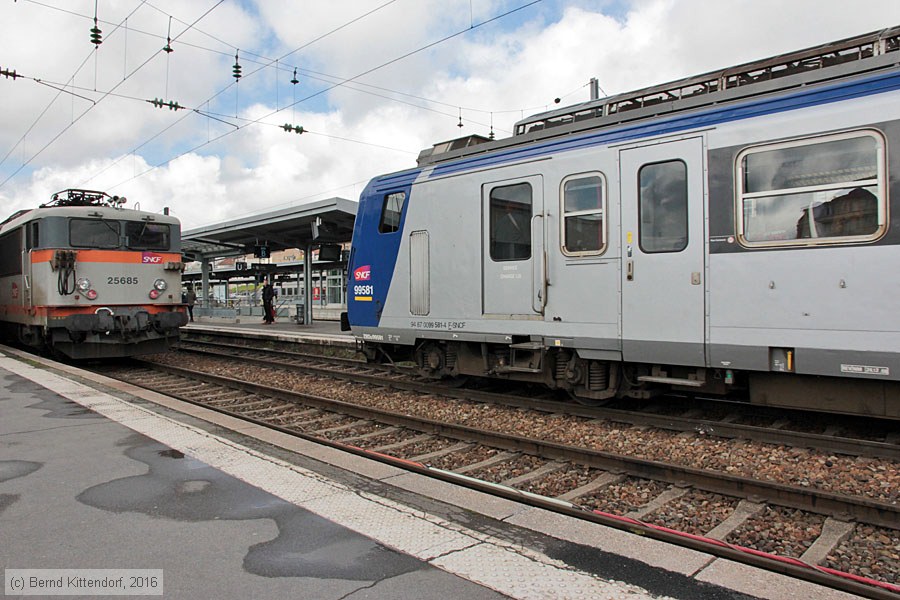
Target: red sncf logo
x: 363, y: 273
x: 151, y: 258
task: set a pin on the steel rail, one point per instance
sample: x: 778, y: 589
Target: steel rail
x: 810, y: 499
x: 184, y: 345
x: 790, y: 567
x: 800, y: 439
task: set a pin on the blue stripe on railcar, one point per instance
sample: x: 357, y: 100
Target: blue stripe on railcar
x: 667, y: 126
x: 374, y: 254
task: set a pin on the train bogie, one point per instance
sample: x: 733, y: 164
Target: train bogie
x: 728, y: 234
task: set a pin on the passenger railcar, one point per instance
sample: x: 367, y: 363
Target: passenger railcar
x: 87, y: 278
x: 734, y: 233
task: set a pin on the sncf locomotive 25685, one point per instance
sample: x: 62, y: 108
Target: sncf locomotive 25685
x: 87, y: 278
x: 734, y: 233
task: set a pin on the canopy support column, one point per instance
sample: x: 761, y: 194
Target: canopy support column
x: 204, y: 282
x: 307, y: 283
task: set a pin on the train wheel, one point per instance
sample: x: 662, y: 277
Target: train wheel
x: 432, y: 360
x: 30, y: 336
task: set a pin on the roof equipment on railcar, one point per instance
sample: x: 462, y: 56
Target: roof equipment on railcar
x: 77, y: 197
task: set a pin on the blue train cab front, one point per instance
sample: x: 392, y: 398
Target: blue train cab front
x: 377, y: 234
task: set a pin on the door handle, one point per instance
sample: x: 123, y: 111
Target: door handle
x: 541, y: 267
x: 629, y: 270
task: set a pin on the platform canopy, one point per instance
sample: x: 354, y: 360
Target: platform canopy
x: 308, y: 225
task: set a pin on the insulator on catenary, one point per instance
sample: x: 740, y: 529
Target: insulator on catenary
x: 236, y: 69
x: 160, y: 103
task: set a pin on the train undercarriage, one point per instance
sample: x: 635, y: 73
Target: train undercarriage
x: 592, y: 382
x: 125, y: 331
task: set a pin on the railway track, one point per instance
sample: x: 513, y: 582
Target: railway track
x: 734, y: 421
x: 506, y: 450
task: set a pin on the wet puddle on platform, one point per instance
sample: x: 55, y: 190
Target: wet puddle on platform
x: 191, y: 491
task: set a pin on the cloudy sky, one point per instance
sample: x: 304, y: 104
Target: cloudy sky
x: 377, y: 81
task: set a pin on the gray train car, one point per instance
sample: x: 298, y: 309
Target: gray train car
x: 86, y: 278
x: 731, y: 234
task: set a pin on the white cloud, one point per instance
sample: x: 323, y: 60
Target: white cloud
x: 512, y: 67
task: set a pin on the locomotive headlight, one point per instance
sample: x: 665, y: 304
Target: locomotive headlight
x: 160, y: 284
x: 83, y: 285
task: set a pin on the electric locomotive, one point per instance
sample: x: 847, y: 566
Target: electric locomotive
x: 86, y: 278
x: 733, y: 233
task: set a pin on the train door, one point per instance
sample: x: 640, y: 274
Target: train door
x: 514, y: 261
x: 663, y: 299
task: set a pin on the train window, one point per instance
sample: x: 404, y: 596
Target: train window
x: 511, y: 222
x: 11, y: 253
x: 93, y: 233
x: 663, y: 207
x: 143, y: 235
x: 34, y: 235
x: 583, y: 211
x: 391, y: 211
x: 823, y: 190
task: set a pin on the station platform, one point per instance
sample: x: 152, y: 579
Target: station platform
x: 324, y: 333
x: 99, y: 474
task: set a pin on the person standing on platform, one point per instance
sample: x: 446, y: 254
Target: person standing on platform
x: 268, y: 298
x: 190, y: 298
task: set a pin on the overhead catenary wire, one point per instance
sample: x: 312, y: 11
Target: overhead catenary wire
x: 53, y: 100
x: 421, y: 49
x: 69, y: 89
x: 105, y: 95
x: 207, y: 112
x: 343, y: 82
x: 335, y: 82
x: 340, y: 83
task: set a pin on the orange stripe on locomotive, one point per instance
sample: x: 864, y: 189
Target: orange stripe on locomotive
x: 107, y: 256
x: 64, y: 311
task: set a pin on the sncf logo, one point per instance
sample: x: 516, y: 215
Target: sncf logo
x: 151, y: 258
x: 363, y: 273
